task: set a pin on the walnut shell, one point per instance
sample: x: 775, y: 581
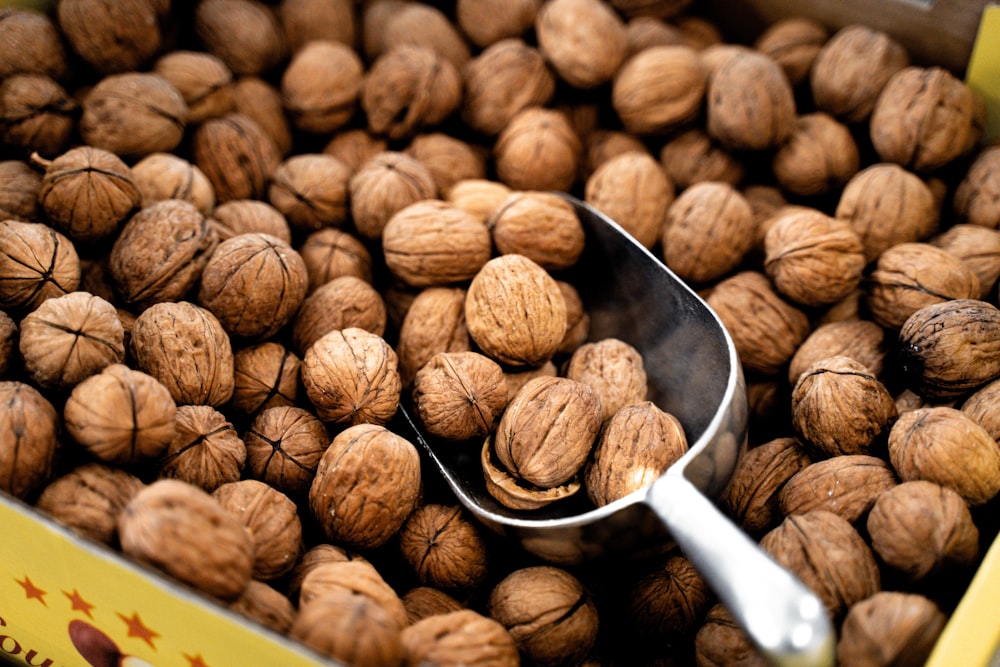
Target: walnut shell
x: 265, y: 376
x: 89, y: 498
x: 720, y: 641
x: 265, y: 605
x: 162, y: 176
x: 793, y: 43
x: 121, y: 416
x: 366, y: 485
x: 752, y: 498
x: 890, y: 628
x: 111, y: 37
x: 538, y: 150
x: 261, y: 102
x: 583, y: 40
x: 273, y: 522
x: 459, y: 395
x: 510, y: 491
x: 846, y: 485
x: 462, y: 637
x: 981, y: 406
x: 183, y: 531
x: 160, y: 254
x: 749, y: 117
x: 342, y: 303
x: 614, y: 370
x: 314, y: 557
x: 919, y: 528
x: 354, y: 147
x: 861, y: 340
x: 236, y: 154
x: 36, y: 263
x: 203, y: 80
x: 8, y: 344
x: 614, y: 189
x: 819, y: 156
x: 205, y: 450
x: 387, y: 183
x: 435, y: 322
x: 351, y: 628
x: 426, y: 26
x: 424, y: 601
x: 303, y: 21
x: 31, y: 44
x: 976, y: 197
x: 247, y: 216
x: 828, y: 555
x: 28, y: 426
x: 944, y: 445
x: 541, y: 226
x: 355, y: 575
x: 659, y: 89
x: 551, y: 616
x: 167, y: 332
x: 978, y: 247
x: 448, y: 158
x: 244, y: 34
x: 331, y: 253
x: 515, y: 311
x: 69, y: 338
x: 321, y: 86
x: 351, y: 376
x: 310, y: 191
x: 19, y: 190
x: 284, y: 445
x: 487, y: 22
x: 667, y: 600
x: 444, y: 548
x: 36, y: 114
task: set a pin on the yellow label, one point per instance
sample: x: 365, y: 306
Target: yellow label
x: 983, y: 73
x: 65, y: 602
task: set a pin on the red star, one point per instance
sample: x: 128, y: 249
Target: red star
x: 136, y: 628
x: 77, y: 603
x: 32, y: 591
x: 195, y: 661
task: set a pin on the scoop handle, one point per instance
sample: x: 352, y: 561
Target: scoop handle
x: 786, y: 620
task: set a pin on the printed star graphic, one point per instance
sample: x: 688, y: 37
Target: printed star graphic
x: 31, y: 591
x: 77, y: 603
x: 136, y: 628
x: 194, y: 661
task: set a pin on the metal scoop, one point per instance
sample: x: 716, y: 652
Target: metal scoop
x: 694, y: 374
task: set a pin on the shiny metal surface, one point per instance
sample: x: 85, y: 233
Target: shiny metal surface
x: 695, y: 375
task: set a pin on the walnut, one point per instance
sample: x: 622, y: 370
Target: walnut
x: 160, y: 253
x: 636, y: 445
x: 253, y: 284
x: 538, y: 150
x: 185, y: 532
x: 515, y: 312
x: 28, y: 426
x: 910, y: 276
x: 946, y: 111
x: 432, y: 242
x: 244, y: 34
x: 36, y: 114
x: 692, y: 156
x: 765, y: 201
x: 645, y: 32
x: 813, y: 259
x: 422, y: 25
x: 541, y: 226
x: 111, y: 37
x: 890, y: 628
x: 434, y: 323
x: 793, y: 43
x: 839, y: 407
x: 861, y: 340
x: 977, y: 194
x: 367, y: 484
x: 666, y: 600
x: 247, y: 216
x: 920, y: 528
x: 339, y: 304
x: 707, y: 232
x: 167, y: 332
x: 261, y: 102
x: 511, y: 491
x: 613, y: 369
x: 828, y: 555
x: 978, y: 247
x: 601, y: 145
x: 121, y: 416
x: 948, y: 348
x: 577, y: 320
x: 409, y: 88
x: 501, y: 81
x: 265, y: 375
x: 205, y: 450
x: 354, y: 147
x: 424, y: 601
x: 69, y: 338
x: 819, y: 156
x: 30, y: 43
x: 486, y: 23
x: 766, y: 329
x: 462, y: 637
x: 659, y: 89
x: 304, y: 21
x: 852, y: 68
x: 614, y: 189
x: 273, y: 522
x: 284, y: 445
x: 846, y: 485
x: 321, y: 86
x: 887, y: 205
x: 448, y: 159
x: 236, y: 155
x: 8, y: 344
x: 265, y: 605
x: 926, y: 443
x: 19, y: 190
x: 310, y: 190
x: 583, y: 40
x: 548, y: 612
x: 203, y: 80
x: 314, y: 557
x: 459, y: 395
x: 133, y: 114
x: 162, y: 176
x: 699, y: 32
x: 720, y: 641
x: 36, y: 263
x: 89, y: 498
x: 359, y: 577
x: 547, y: 431
x: 749, y: 117
x: 354, y: 629
x: 387, y: 183
x: 981, y: 406
x: 752, y: 498
x: 333, y: 253
x: 444, y: 548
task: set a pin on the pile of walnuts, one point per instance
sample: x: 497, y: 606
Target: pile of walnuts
x: 235, y: 233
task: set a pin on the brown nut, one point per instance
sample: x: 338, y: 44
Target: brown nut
x: 541, y: 226
x: 359, y: 577
x: 819, y: 156
x: 36, y: 263
x: 28, y: 425
x: 448, y: 158
x: 113, y: 37
x: 321, y: 86
x: 861, y: 340
x: 185, y: 532
x: 538, y: 150
x: 977, y: 195
x: 487, y: 22
x: 351, y: 628
x: 614, y: 370
x: 459, y: 395
x: 435, y: 322
x: 161, y: 176
x: 793, y: 43
x: 19, y: 194
x: 265, y: 376
x: 284, y: 445
x: 659, y: 89
x: 236, y: 154
x: 510, y: 491
x: 691, y: 156
x: 444, y: 548
x: 890, y: 628
x: 752, y: 498
x: 614, y: 189
x: 273, y: 522
x: 205, y: 450
x: 366, y: 485
x: 749, y: 103
x: 584, y: 40
x: 244, y: 34
x: 246, y: 216
x: 720, y: 641
x: 846, y: 485
x: 342, y: 303
x: 387, y: 183
x: 261, y: 102
x: 203, y: 80
x: 331, y: 253
x: 32, y: 44
x: 310, y: 190
x: 424, y: 601
x: 981, y: 406
x: 667, y: 600
x: 265, y: 605
x: 462, y: 637
x: 978, y: 247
